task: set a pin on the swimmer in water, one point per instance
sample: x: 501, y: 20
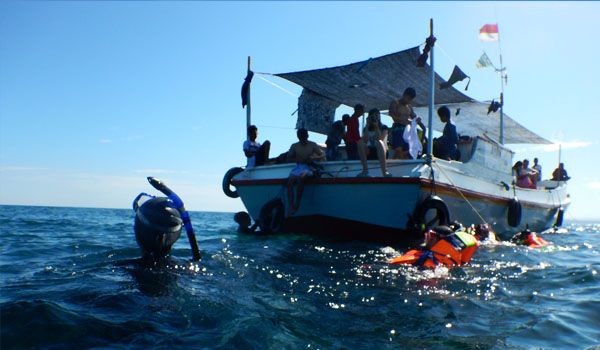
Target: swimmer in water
x: 243, y: 220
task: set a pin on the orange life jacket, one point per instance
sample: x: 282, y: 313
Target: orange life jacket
x: 533, y: 241
x: 454, y: 250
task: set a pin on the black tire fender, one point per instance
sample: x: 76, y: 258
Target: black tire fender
x: 271, y: 216
x: 227, y: 182
x: 514, y: 212
x: 431, y: 203
x: 559, y: 217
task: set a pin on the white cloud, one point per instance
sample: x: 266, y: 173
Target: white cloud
x: 105, y: 140
x: 61, y: 187
x: 566, y: 145
x: 595, y: 185
x: 552, y: 148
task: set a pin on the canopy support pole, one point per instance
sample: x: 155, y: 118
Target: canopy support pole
x: 248, y: 106
x: 431, y: 98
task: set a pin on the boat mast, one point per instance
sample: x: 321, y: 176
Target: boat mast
x: 248, y: 108
x: 431, y: 98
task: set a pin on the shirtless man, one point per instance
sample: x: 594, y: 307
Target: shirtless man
x: 303, y: 153
x: 401, y: 112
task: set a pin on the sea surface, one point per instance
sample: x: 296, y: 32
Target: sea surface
x: 68, y: 282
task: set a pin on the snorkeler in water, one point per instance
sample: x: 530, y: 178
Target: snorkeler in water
x: 244, y: 221
x: 444, y: 245
x: 158, y: 224
x: 530, y: 239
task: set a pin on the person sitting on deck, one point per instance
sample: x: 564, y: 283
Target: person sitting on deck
x: 443, y: 246
x: 353, y: 132
x: 334, y: 138
x: 372, y: 144
x: 444, y: 147
x: 515, y: 169
x: 560, y: 174
x: 525, y: 175
x: 256, y: 153
x: 303, y: 153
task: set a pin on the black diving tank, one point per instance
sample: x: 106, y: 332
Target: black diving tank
x: 157, y: 227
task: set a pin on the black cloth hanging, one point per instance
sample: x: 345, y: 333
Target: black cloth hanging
x: 457, y: 75
x: 428, y: 45
x: 246, y: 88
x: 494, y: 106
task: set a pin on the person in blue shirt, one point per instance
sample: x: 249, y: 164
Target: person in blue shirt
x: 444, y: 147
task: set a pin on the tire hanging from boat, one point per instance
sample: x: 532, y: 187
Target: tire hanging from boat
x: 514, y: 212
x: 271, y: 216
x: 559, y: 218
x: 441, y: 213
x: 227, y: 182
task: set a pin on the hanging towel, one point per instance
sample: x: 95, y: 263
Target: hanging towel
x: 412, y: 138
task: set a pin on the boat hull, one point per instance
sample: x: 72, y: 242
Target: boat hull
x: 337, y: 203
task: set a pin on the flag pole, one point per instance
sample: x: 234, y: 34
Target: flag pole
x: 559, y: 150
x: 431, y: 98
x: 248, y: 108
x: 501, y: 91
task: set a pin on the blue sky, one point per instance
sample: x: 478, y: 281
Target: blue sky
x: 95, y: 96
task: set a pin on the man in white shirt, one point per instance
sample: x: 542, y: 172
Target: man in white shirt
x: 256, y: 153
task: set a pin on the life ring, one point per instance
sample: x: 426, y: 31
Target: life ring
x: 514, y: 212
x: 271, y: 216
x: 559, y: 217
x: 227, y: 182
x: 422, y: 215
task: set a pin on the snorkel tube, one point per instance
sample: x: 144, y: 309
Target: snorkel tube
x: 156, y: 183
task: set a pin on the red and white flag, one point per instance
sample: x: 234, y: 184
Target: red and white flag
x: 489, y: 32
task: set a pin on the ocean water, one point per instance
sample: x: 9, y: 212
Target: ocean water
x: 67, y: 282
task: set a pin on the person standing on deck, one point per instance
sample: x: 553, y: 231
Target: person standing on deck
x: 537, y: 167
x: 334, y: 138
x: 353, y: 133
x: 401, y: 112
x: 303, y: 153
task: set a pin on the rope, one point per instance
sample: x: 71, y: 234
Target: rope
x: 433, y: 187
x: 275, y: 127
x: 461, y: 194
x: 446, y: 54
x: 260, y: 75
x: 339, y: 171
